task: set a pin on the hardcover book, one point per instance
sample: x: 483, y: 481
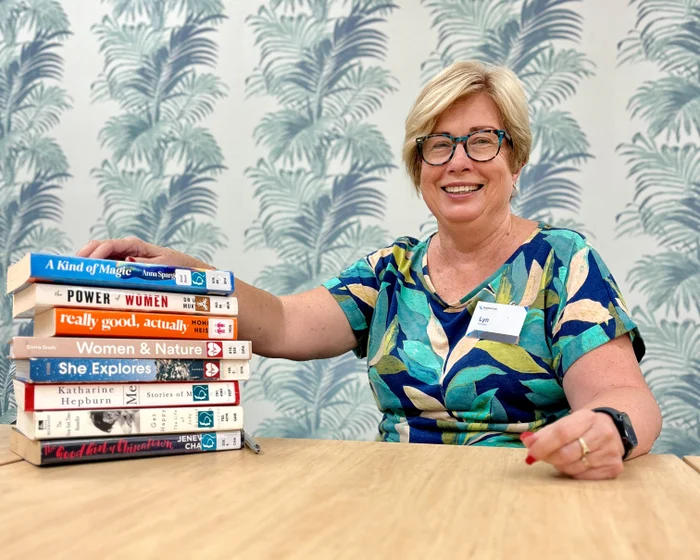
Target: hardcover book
x: 45, y: 396
x: 22, y: 347
x: 62, y: 321
x: 127, y: 370
x: 68, y: 451
x: 60, y: 269
x: 55, y: 424
x: 38, y: 298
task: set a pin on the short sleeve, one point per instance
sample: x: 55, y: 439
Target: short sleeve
x: 355, y: 289
x: 590, y: 312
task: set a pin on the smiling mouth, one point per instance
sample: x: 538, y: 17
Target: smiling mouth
x: 462, y: 189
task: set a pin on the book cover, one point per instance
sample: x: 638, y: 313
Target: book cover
x: 22, y: 347
x: 62, y: 321
x: 57, y: 396
x: 55, y: 424
x: 68, y: 451
x: 62, y: 269
x: 127, y: 370
x: 38, y: 298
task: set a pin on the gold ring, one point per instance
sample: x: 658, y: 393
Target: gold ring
x: 585, y: 462
x: 584, y: 448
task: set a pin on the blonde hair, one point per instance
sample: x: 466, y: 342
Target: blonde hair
x: 456, y: 82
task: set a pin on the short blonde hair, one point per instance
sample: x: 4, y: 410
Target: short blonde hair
x: 456, y: 82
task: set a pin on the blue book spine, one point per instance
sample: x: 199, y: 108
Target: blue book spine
x: 117, y: 274
x: 104, y: 370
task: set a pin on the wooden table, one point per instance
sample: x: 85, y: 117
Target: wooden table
x: 6, y: 456
x: 693, y: 462
x: 336, y: 499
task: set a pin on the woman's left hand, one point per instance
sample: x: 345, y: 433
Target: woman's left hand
x: 584, y: 445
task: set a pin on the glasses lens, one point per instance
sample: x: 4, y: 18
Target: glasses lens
x: 483, y: 146
x: 437, y: 149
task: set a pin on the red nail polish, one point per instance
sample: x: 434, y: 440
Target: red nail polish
x: 526, y: 435
x: 130, y: 259
x: 530, y: 459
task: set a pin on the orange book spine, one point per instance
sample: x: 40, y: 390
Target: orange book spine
x: 63, y: 321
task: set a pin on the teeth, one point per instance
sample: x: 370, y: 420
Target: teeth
x: 462, y: 189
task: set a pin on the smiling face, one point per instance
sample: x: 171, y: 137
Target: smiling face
x: 462, y: 190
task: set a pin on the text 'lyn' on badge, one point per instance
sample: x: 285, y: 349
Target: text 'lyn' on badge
x: 497, y: 322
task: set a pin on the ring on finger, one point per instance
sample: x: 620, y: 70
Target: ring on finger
x: 585, y: 462
x: 584, y: 447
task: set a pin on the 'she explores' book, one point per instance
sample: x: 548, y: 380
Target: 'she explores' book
x: 62, y: 321
x: 88, y: 423
x: 38, y: 298
x: 43, y: 396
x: 67, y: 451
x: 66, y: 347
x: 55, y: 269
x: 101, y: 370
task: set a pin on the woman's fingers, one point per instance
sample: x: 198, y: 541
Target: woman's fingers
x: 118, y: 249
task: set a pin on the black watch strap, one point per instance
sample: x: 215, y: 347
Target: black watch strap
x: 624, y: 428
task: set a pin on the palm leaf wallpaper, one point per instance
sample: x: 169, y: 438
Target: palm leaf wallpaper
x: 663, y: 161
x: 265, y: 137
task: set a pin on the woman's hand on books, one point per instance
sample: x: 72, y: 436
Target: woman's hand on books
x: 133, y: 249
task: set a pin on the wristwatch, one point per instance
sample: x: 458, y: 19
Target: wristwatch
x: 624, y: 428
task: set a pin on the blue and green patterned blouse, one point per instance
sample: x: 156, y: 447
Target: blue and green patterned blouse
x: 435, y: 385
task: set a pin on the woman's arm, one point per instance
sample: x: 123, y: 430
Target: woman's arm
x: 299, y: 327
x: 606, y: 376
x: 610, y: 376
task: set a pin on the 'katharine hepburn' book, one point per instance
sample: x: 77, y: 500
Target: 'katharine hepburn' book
x: 61, y: 269
x: 44, y: 396
x: 128, y: 370
x: 62, y: 321
x: 38, y: 298
x: 55, y: 424
x: 65, y: 347
x: 68, y: 451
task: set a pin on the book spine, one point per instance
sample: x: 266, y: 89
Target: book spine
x: 31, y: 397
x: 62, y: 452
x: 23, y: 347
x: 133, y: 421
x: 48, y: 296
x: 141, y: 325
x: 101, y: 370
x: 61, y: 269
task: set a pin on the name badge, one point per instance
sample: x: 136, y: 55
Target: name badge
x: 497, y: 322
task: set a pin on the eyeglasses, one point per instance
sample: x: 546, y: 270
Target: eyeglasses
x: 480, y: 145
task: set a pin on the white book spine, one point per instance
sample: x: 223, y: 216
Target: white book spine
x: 87, y: 423
x: 31, y: 397
x: 38, y: 298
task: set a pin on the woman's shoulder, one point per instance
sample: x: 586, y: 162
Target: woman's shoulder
x: 400, y: 250
x: 564, y: 242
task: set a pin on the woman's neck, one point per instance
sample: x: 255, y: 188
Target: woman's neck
x: 478, y: 242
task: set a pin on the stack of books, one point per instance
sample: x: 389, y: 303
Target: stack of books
x: 127, y: 360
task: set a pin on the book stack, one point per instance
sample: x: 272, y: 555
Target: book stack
x: 127, y: 360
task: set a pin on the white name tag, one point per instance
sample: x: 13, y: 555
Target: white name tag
x: 497, y: 322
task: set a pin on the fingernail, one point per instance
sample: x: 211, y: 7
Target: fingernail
x: 130, y: 259
x: 530, y: 459
x: 526, y: 435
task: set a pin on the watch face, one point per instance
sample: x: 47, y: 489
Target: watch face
x: 629, y: 430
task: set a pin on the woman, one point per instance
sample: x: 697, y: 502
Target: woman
x: 407, y: 308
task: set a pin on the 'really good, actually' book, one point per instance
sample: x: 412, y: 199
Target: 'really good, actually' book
x: 60, y: 269
x: 38, y: 298
x: 71, y: 396
x: 128, y: 370
x: 53, y: 424
x: 62, y: 321
x: 22, y: 347
x: 81, y: 450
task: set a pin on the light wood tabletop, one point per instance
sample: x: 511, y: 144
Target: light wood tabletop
x: 693, y: 462
x: 6, y: 456
x: 339, y: 499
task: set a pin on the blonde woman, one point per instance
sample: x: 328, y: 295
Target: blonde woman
x: 496, y: 330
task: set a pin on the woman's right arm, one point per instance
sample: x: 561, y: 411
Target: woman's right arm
x: 303, y: 326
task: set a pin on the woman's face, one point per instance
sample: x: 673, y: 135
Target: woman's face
x: 110, y: 416
x: 494, y: 179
